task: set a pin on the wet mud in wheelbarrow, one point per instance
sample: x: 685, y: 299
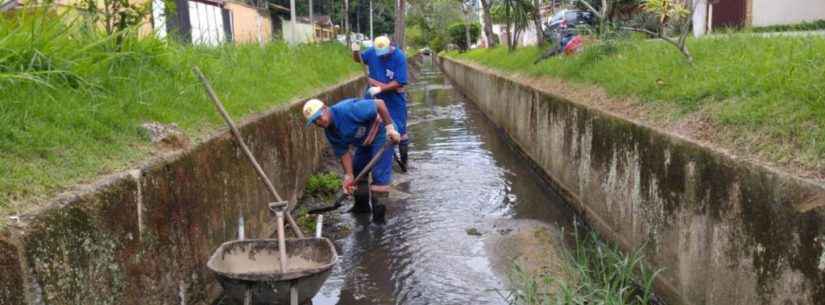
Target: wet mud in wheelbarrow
x: 250, y: 268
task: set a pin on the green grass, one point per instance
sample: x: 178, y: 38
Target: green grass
x: 804, y: 26
x: 599, y: 274
x: 771, y: 86
x: 71, y: 102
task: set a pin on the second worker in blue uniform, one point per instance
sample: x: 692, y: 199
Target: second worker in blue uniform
x: 387, y: 77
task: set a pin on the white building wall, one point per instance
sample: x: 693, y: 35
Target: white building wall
x: 527, y: 37
x: 207, y: 24
x: 774, y: 12
x: 303, y: 32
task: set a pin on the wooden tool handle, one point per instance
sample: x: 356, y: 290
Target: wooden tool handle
x: 242, y: 144
x: 281, y: 240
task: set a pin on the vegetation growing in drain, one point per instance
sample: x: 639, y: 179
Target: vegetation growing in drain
x: 599, y: 274
x: 73, y: 99
x: 323, y: 185
x: 765, y: 89
x: 305, y: 220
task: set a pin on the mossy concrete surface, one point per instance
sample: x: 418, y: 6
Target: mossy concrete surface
x: 144, y: 236
x: 726, y: 231
x: 11, y: 276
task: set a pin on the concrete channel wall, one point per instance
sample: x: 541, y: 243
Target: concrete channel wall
x: 725, y: 231
x: 143, y: 237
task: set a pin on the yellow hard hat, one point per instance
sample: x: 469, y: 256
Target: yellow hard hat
x: 312, y: 110
x: 381, y: 45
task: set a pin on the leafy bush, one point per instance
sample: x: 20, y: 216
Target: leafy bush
x: 438, y: 44
x: 324, y: 184
x: 458, y: 35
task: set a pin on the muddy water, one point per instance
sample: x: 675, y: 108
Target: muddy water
x: 469, y: 209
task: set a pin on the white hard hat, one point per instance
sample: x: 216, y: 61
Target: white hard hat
x: 382, y: 45
x: 312, y: 110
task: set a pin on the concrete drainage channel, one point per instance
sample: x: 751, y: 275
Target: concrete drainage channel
x: 725, y: 231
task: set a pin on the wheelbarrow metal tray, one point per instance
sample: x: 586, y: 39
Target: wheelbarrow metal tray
x: 254, y: 265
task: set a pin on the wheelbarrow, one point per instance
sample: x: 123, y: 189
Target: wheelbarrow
x: 270, y: 271
x: 273, y: 271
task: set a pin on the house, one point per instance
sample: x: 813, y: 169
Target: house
x: 249, y: 23
x: 207, y: 22
x: 325, y: 29
x: 213, y: 22
x: 712, y: 14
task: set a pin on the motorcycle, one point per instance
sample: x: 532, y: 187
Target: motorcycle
x: 564, y: 37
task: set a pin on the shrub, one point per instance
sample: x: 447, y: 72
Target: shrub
x: 324, y: 184
x: 458, y: 35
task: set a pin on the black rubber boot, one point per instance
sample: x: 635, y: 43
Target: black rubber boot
x: 362, y: 198
x: 378, y: 210
x: 403, y: 151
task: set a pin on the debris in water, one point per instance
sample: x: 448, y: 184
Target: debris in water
x: 473, y: 232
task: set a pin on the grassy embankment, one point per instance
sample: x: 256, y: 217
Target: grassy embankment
x: 71, y: 103
x: 768, y: 93
x: 599, y: 273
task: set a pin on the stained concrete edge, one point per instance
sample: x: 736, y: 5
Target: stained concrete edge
x: 142, y: 236
x: 727, y: 231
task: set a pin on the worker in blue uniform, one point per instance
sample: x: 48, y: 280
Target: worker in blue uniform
x: 387, y: 77
x: 365, y: 124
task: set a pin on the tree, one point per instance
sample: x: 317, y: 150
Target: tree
x: 670, y: 14
x: 488, y: 23
x: 400, y: 16
x: 537, y: 22
x: 465, y: 8
x: 434, y: 17
x: 116, y: 16
x: 516, y: 15
x: 459, y: 31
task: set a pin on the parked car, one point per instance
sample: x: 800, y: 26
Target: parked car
x: 572, y: 18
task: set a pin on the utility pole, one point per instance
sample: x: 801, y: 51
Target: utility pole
x: 346, y: 22
x: 311, y: 20
x: 372, y: 35
x: 292, y: 22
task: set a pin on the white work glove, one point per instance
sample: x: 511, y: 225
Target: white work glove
x: 374, y: 91
x: 393, y: 134
x: 355, y: 47
x: 348, y: 184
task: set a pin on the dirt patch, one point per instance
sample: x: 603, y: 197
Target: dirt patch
x: 531, y: 246
x: 738, y: 142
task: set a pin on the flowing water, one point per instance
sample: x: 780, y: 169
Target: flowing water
x: 470, y: 208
